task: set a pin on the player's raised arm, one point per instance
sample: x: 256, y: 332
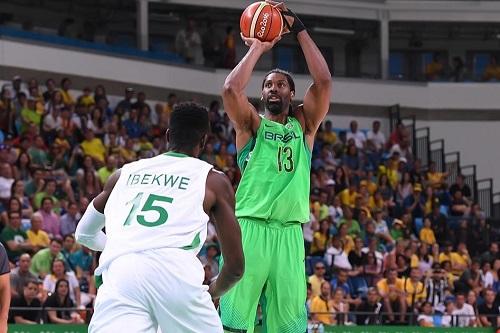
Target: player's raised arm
x: 89, y: 230
x: 236, y: 104
x: 317, y: 97
x: 220, y: 197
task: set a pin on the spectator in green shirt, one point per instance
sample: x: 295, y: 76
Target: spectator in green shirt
x: 29, y: 115
x: 106, y: 171
x: 41, y: 263
x: 15, y: 240
x: 49, y: 190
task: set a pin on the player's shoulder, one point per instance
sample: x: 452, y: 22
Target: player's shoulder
x: 217, y: 180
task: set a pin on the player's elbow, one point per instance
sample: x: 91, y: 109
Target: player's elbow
x: 324, y: 81
x: 230, y: 88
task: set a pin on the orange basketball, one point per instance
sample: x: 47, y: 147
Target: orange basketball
x: 262, y: 21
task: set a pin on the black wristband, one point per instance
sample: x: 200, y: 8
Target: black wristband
x: 297, y: 25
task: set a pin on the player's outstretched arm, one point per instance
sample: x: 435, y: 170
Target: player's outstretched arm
x: 236, y: 104
x: 89, y: 230
x: 317, y: 97
x: 219, y: 200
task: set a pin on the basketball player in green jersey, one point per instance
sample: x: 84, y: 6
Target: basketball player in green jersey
x: 272, y: 200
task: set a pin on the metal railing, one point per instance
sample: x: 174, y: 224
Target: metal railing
x: 452, y: 165
x: 437, y: 154
x: 378, y: 318
x: 485, y: 195
x: 496, y: 205
x: 422, y: 149
x: 469, y: 173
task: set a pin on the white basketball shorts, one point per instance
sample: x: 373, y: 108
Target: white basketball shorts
x: 153, y: 289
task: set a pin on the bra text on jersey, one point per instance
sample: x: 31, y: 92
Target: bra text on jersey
x: 161, y: 179
x: 279, y: 137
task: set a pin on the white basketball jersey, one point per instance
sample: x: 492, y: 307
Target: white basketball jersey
x: 156, y: 203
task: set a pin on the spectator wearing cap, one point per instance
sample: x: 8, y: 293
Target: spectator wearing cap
x: 436, y: 286
x: 124, y: 106
x: 415, y: 204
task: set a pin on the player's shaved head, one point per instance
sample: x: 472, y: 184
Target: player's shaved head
x: 189, y: 124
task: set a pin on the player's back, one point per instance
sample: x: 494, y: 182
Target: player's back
x: 157, y: 203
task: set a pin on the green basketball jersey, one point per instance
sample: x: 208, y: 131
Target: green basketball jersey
x: 275, y: 166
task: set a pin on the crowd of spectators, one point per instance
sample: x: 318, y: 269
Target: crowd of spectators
x: 387, y: 236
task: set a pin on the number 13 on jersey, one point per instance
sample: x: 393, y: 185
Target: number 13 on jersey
x: 149, y: 205
x: 285, y: 159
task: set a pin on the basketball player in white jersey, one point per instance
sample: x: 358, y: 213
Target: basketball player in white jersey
x: 155, y: 212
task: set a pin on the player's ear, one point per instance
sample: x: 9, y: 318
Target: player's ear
x: 292, y: 93
x: 167, y: 134
x: 203, y: 141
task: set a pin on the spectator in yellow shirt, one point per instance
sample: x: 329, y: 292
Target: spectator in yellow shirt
x: 459, y: 260
x: 328, y: 135
x: 427, y: 234
x: 320, y: 238
x: 68, y: 99
x: 348, y: 196
x: 434, y: 178
x: 492, y: 71
x: 321, y: 306
x: 414, y: 289
x: 38, y: 238
x: 391, y: 289
x: 86, y: 99
x: 317, y: 278
x: 434, y: 70
x: 94, y: 147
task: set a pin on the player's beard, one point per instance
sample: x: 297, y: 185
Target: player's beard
x: 275, y: 107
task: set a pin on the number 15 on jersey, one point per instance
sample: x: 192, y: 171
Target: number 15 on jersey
x: 151, y: 204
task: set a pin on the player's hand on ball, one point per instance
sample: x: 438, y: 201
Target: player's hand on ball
x: 266, y: 46
x: 289, y: 19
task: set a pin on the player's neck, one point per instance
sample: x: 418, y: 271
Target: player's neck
x: 180, y: 151
x: 279, y: 118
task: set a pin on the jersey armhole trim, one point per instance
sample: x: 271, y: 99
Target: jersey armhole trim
x: 243, y: 154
